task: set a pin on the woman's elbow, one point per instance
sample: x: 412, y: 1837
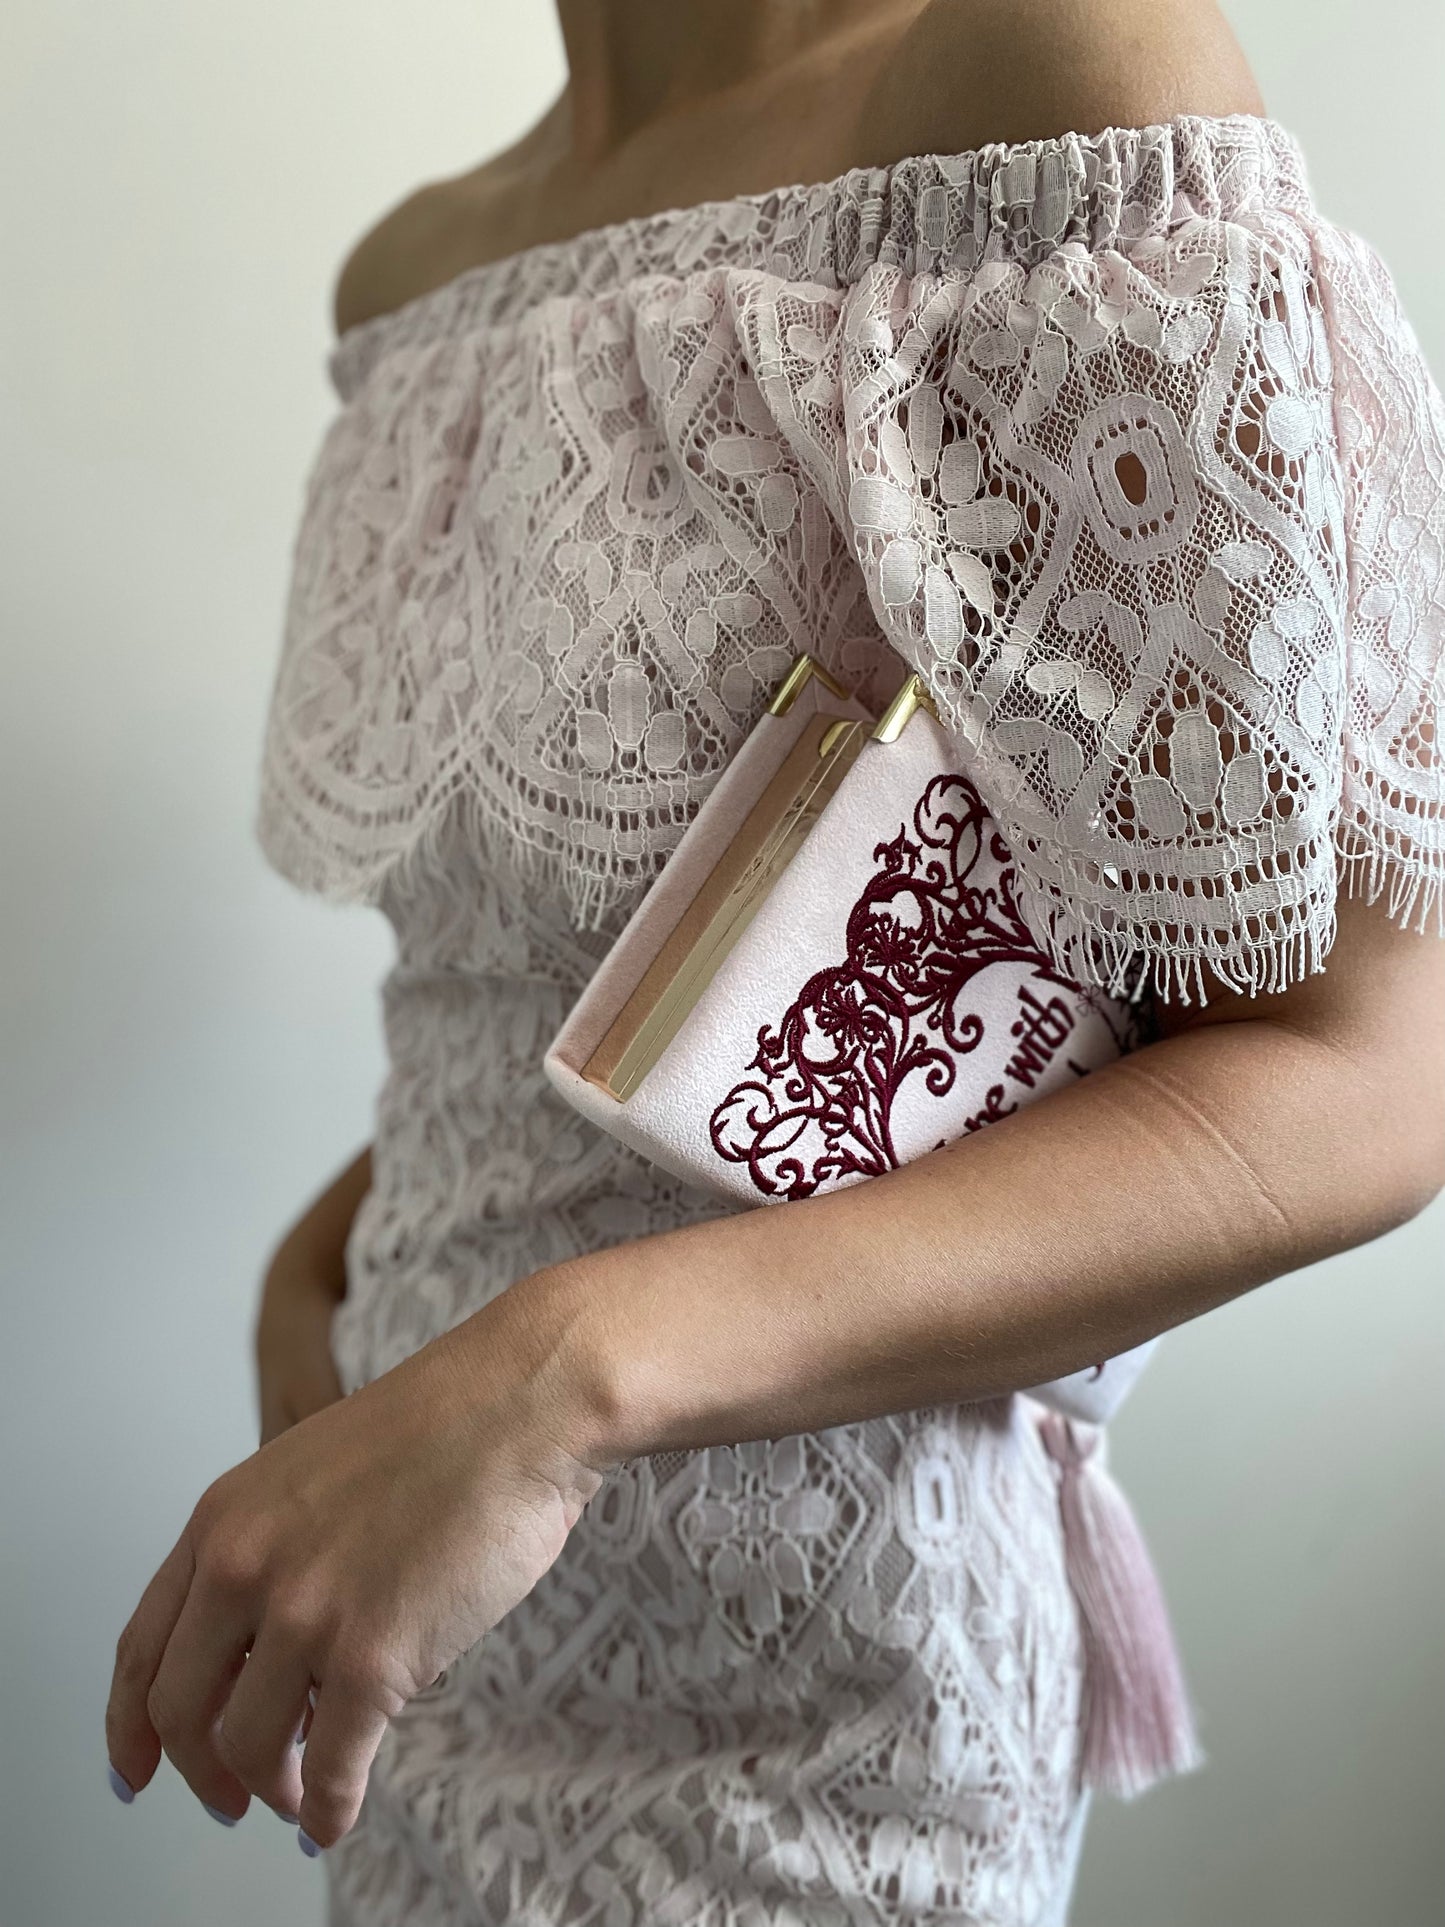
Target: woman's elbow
x: 1391, y: 1131
x: 1365, y: 1070
x: 1420, y: 1156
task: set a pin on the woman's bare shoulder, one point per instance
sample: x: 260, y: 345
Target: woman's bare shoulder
x: 380, y: 271
x: 972, y: 71
x: 961, y: 73
x: 436, y: 232
x: 410, y: 250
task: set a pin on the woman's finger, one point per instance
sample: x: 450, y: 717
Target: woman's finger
x: 131, y: 1739
x: 203, y: 1657
x: 346, y: 1729
x: 258, y: 1729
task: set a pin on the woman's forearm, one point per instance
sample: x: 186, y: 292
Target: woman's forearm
x: 1152, y: 1190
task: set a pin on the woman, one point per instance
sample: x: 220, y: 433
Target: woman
x: 1102, y: 355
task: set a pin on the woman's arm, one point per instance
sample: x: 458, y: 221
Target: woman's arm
x: 1256, y: 1136
x: 361, y: 1550
x: 305, y: 1282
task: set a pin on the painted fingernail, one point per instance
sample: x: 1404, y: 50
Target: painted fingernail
x: 289, y: 1818
x: 307, y: 1845
x: 226, y: 1819
x: 120, y: 1786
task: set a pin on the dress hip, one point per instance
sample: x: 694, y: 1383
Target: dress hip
x: 821, y: 1680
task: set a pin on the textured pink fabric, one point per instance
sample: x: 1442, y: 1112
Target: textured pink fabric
x: 1138, y: 1724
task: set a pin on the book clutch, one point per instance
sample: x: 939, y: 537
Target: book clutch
x: 830, y: 976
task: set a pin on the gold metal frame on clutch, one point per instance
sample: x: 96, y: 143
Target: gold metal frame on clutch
x: 729, y: 897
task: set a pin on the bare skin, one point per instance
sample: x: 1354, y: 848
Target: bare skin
x: 305, y: 1282
x: 367, y: 1544
x: 754, y: 97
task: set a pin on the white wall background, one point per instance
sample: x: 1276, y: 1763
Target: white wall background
x: 190, y: 1047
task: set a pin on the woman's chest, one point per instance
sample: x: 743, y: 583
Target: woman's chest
x: 548, y: 576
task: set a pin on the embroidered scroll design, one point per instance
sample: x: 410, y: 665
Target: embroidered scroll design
x: 926, y: 926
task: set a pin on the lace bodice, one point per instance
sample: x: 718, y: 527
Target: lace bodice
x: 1116, y: 439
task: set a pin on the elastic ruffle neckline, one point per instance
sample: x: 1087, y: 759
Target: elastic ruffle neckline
x: 925, y: 213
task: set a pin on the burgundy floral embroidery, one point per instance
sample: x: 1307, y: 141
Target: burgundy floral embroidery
x: 820, y: 1107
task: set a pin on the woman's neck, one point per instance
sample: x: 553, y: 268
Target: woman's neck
x: 632, y: 63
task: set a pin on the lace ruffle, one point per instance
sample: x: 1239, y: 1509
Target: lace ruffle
x: 1120, y: 443
x: 921, y: 215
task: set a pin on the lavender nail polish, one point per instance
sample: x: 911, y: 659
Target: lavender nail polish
x: 226, y: 1819
x: 120, y: 1786
x: 307, y: 1845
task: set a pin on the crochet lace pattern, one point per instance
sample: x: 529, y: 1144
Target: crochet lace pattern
x: 1116, y: 440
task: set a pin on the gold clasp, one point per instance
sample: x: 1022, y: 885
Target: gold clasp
x: 785, y: 695
x: 911, y: 695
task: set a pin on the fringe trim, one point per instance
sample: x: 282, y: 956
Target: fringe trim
x: 1416, y: 889
x: 406, y: 858
x: 1120, y: 962
x: 1138, y: 1726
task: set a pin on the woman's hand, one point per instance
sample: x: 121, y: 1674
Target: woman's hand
x: 357, y: 1553
x: 305, y: 1282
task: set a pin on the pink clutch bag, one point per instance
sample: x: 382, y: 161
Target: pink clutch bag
x: 830, y: 976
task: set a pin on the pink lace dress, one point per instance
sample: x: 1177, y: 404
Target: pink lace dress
x: 1134, y: 457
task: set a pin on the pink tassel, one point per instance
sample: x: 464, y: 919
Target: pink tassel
x: 1138, y: 1725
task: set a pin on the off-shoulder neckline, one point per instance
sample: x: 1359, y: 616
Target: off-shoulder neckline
x: 357, y: 346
